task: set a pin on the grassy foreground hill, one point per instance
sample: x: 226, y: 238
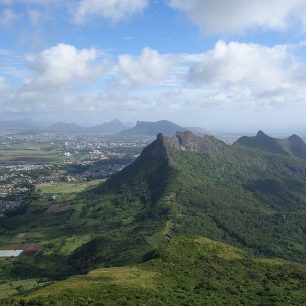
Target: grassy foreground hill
x: 182, y: 186
x: 186, y: 271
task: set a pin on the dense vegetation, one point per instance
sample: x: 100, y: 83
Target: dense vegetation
x: 187, y: 271
x: 259, y: 208
x: 248, y: 197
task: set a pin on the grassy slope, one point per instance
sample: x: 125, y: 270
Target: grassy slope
x: 187, y: 271
x: 59, y: 234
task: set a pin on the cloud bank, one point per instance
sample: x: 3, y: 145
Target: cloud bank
x: 217, y: 17
x: 239, y: 16
x: 229, y: 75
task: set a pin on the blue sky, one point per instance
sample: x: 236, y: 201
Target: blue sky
x: 222, y: 65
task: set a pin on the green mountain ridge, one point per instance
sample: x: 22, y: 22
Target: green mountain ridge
x: 180, y: 186
x: 292, y: 146
x: 227, y: 193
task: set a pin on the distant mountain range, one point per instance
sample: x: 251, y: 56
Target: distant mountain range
x: 142, y: 128
x: 108, y: 128
x: 165, y: 127
x: 65, y: 127
x: 113, y: 127
x: 22, y: 125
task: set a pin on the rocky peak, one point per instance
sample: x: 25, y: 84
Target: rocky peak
x: 160, y: 137
x: 156, y: 150
x: 261, y: 134
x: 187, y: 141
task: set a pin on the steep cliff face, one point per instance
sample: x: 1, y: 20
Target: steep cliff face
x: 187, y: 141
x: 150, y: 174
x: 145, y: 179
x: 160, y: 149
x: 157, y: 150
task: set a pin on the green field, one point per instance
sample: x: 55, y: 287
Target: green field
x: 30, y: 152
x: 65, y: 188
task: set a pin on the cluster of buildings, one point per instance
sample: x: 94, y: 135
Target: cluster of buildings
x: 84, y: 157
x: 17, y: 179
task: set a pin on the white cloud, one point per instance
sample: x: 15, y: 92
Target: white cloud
x: 241, y: 63
x: 229, y: 76
x: 148, y: 68
x: 80, y: 10
x: 218, y: 16
x: 237, y: 16
x: 62, y: 65
x: 114, y: 10
x: 246, y: 75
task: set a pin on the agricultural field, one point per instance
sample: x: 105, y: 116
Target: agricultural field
x: 29, y: 153
x: 17, y: 249
x: 48, y: 233
x: 66, y: 188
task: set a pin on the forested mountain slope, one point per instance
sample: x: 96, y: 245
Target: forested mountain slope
x: 199, y: 185
x: 179, y: 186
x: 292, y: 146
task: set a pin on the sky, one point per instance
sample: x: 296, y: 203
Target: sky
x: 223, y: 65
